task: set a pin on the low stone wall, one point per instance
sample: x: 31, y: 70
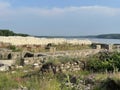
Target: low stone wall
x: 74, y: 66
x: 31, y: 61
x: 7, y: 62
x: 76, y: 53
x: 40, y: 62
x: 63, y: 67
x: 79, y: 53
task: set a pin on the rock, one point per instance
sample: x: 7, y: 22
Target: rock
x: 13, y: 72
x: 90, y: 80
x: 4, y: 68
x: 73, y: 79
x: 19, y: 67
x: 68, y: 67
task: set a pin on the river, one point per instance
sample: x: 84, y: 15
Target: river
x: 104, y: 41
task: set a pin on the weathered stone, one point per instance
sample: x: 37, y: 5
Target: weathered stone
x: 4, y: 68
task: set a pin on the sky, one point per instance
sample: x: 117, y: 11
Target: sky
x: 60, y: 17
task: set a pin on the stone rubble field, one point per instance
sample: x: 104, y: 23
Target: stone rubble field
x: 18, y: 40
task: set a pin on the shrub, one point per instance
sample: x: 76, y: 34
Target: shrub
x: 104, y: 61
x: 109, y: 84
x: 14, y: 48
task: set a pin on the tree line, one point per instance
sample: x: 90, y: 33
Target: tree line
x: 11, y: 33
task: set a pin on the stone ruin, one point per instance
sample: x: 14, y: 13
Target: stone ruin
x: 108, y: 47
x: 37, y: 60
x: 63, y: 67
x: 5, y: 54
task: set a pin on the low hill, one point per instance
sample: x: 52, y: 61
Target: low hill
x: 104, y: 36
x: 10, y: 33
x: 109, y: 36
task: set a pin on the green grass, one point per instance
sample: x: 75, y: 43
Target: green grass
x: 62, y: 60
x: 16, y: 80
x: 35, y: 80
x: 7, y: 81
x: 66, y: 46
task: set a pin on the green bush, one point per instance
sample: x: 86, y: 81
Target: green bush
x: 104, y: 61
x: 108, y: 84
x: 14, y: 48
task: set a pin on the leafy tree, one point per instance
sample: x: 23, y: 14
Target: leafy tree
x: 11, y: 33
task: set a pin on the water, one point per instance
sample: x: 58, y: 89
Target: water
x: 104, y: 41
x: 98, y: 40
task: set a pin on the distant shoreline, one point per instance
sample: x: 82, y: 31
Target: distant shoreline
x: 102, y: 36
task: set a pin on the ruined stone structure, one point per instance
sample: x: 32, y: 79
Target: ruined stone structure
x: 102, y: 46
x: 31, y: 58
x: 52, y: 50
x: 69, y: 66
x: 5, y: 54
x: 110, y: 47
x: 98, y: 46
x: 38, y: 59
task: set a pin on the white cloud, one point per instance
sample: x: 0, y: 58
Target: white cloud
x: 76, y: 10
x: 7, y: 10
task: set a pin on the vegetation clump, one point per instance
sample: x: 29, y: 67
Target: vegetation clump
x: 14, y: 48
x: 10, y: 33
x: 108, y: 84
x: 67, y: 46
x: 104, y: 61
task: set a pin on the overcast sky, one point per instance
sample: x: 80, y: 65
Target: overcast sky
x: 60, y: 17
